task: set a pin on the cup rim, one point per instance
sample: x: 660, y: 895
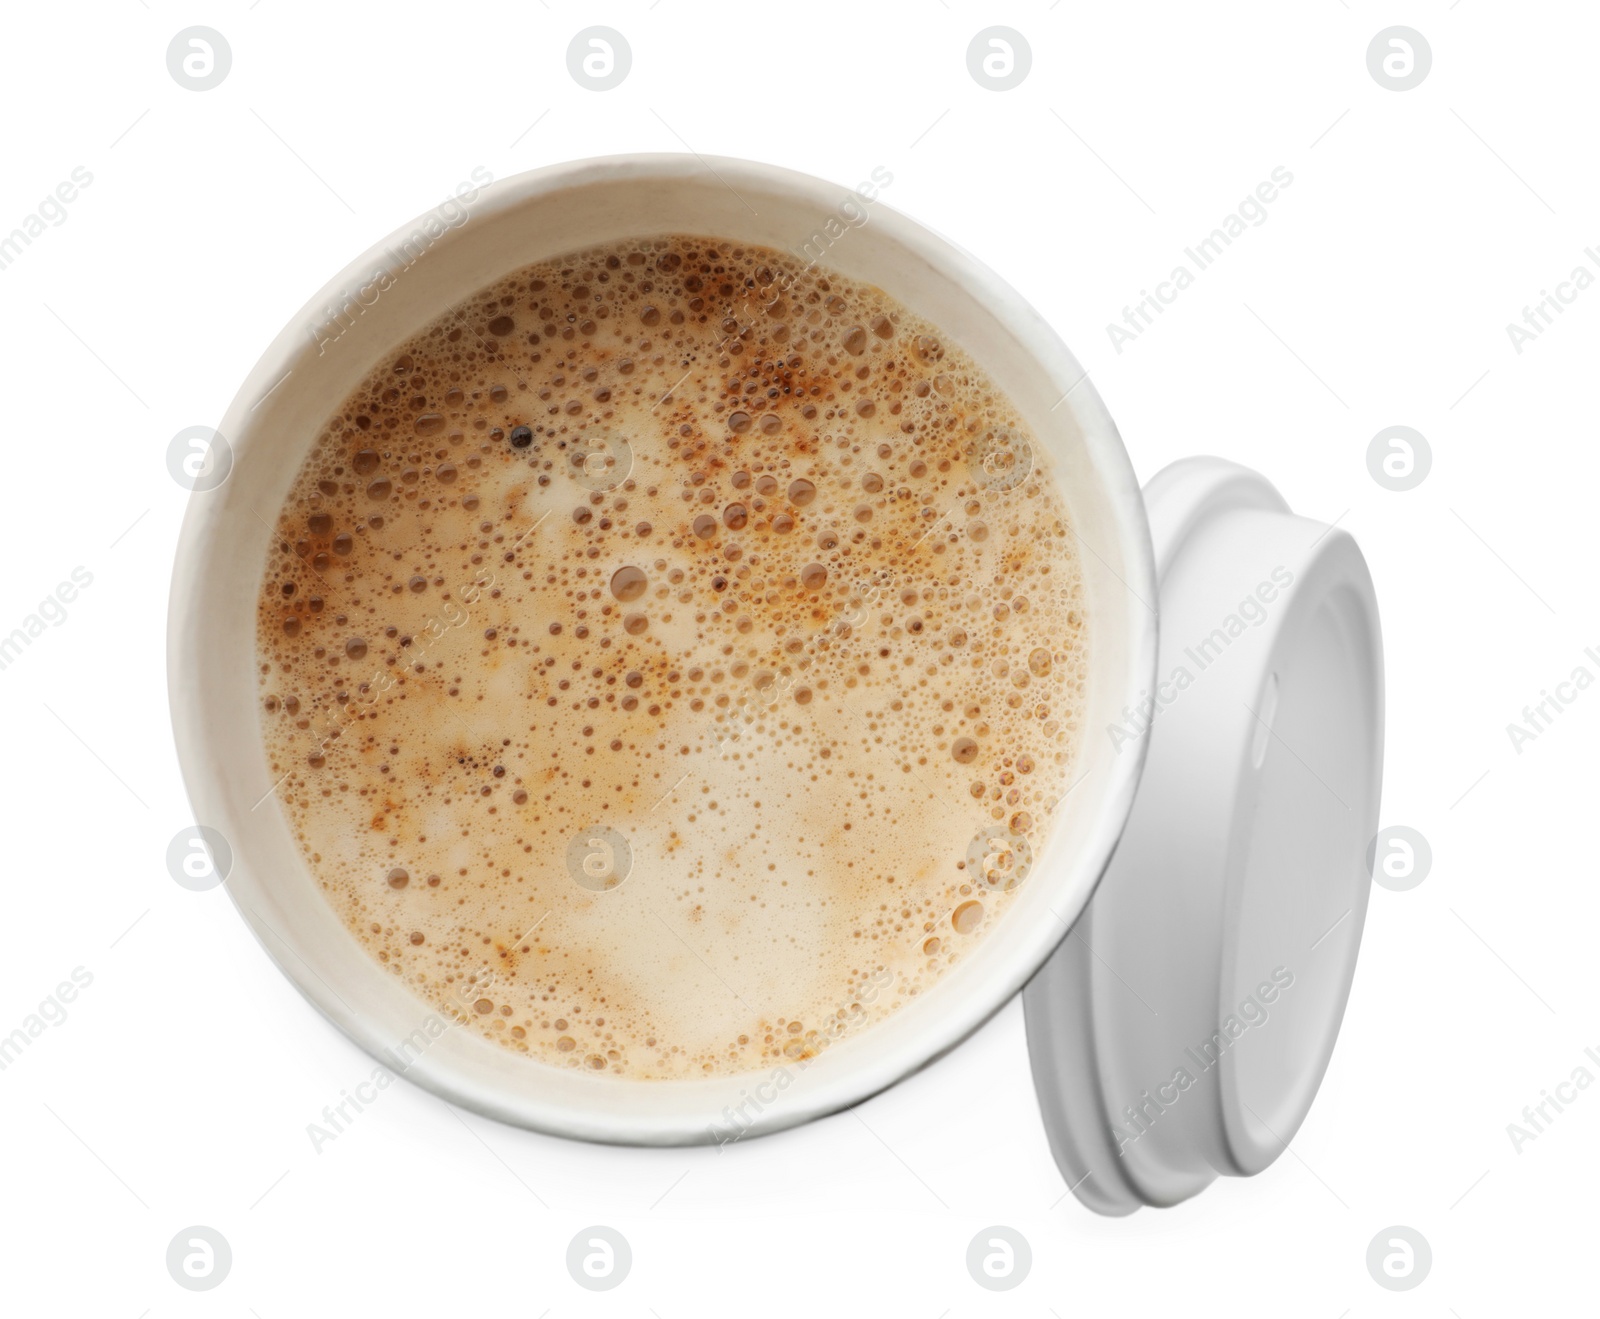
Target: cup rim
x: 894, y: 1057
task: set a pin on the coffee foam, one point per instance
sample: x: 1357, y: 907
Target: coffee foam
x: 671, y: 659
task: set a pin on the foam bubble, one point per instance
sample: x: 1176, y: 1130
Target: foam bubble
x: 679, y: 562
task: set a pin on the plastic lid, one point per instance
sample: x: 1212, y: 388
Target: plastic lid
x: 1181, y: 1029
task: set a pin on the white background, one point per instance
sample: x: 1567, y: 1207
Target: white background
x: 178, y: 1089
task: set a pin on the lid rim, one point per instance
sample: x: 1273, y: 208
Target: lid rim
x: 1229, y: 850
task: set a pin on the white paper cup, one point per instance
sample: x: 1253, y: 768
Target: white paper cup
x: 426, y: 268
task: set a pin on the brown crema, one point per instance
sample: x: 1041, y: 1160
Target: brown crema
x: 672, y: 659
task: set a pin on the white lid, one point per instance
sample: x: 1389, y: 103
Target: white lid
x: 1183, y: 1026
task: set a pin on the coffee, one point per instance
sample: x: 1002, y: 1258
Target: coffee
x: 672, y: 659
